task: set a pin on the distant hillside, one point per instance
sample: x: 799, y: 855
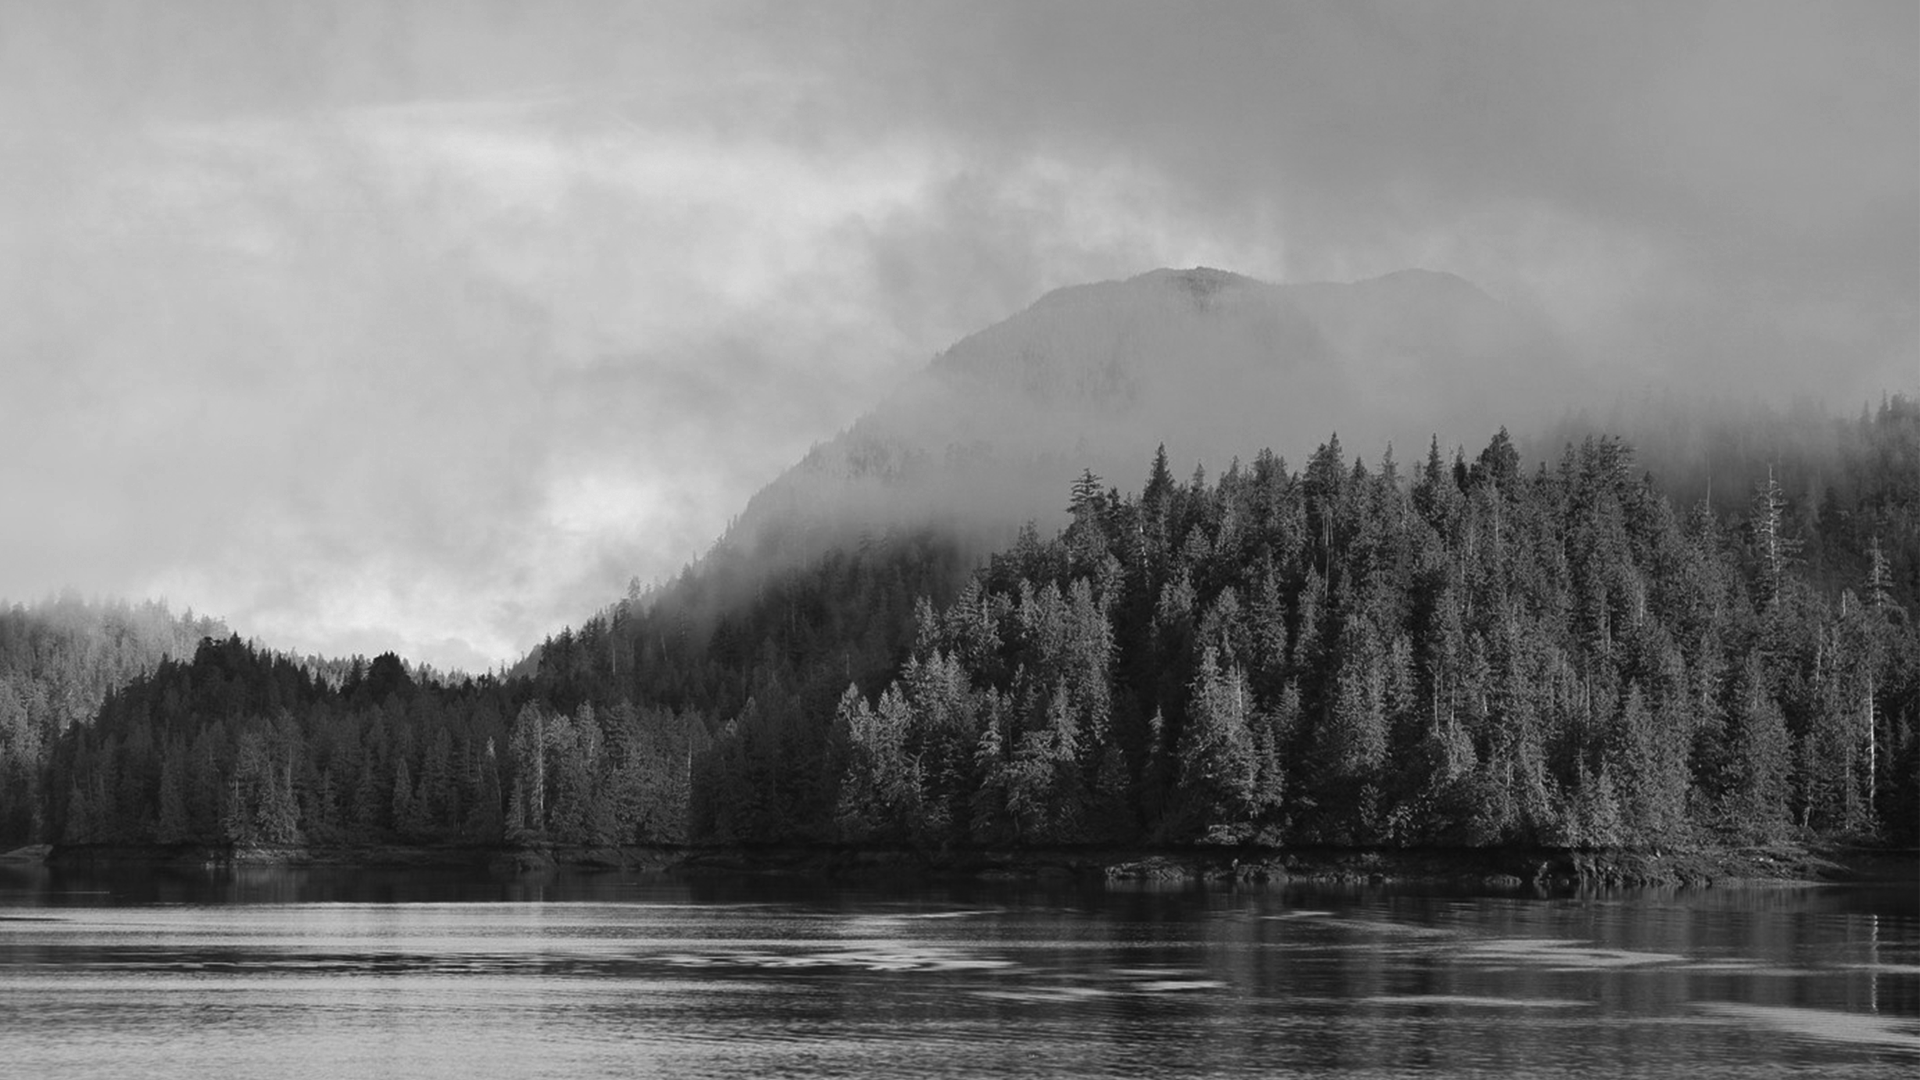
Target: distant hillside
x: 1092, y: 379
x: 1207, y: 362
x: 838, y: 568
x: 1086, y: 383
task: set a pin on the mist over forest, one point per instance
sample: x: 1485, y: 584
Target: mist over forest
x: 1108, y: 536
x: 1705, y: 643
x: 425, y: 328
x: 1209, y: 363
x: 1186, y: 558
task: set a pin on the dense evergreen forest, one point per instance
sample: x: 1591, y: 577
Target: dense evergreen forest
x: 58, y: 661
x: 1468, y: 651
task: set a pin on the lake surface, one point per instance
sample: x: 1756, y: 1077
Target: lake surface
x: 324, y: 973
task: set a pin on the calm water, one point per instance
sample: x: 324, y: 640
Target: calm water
x: 291, y: 974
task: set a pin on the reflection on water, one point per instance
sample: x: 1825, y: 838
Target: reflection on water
x: 316, y: 973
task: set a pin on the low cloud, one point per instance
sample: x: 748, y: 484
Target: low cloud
x: 429, y: 327
x: 371, y: 379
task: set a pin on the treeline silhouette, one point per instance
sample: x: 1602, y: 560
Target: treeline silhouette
x: 1466, y: 652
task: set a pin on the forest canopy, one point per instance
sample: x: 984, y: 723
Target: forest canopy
x: 1471, y: 650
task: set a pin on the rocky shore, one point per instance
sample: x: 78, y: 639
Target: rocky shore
x: 1499, y: 868
x: 1550, y: 870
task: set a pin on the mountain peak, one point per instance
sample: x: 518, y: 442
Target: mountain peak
x: 1210, y: 363
x: 1201, y: 281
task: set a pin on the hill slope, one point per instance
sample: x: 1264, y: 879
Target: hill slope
x: 1210, y: 363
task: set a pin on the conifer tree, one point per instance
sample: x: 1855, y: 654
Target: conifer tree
x: 173, y: 826
x: 1219, y: 771
x: 1776, y: 548
x: 1761, y: 759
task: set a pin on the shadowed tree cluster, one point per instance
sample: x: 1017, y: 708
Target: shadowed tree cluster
x: 58, y: 661
x: 238, y: 746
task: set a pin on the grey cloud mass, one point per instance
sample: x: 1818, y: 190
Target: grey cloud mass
x: 427, y: 325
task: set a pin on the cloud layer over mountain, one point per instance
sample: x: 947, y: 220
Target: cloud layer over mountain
x: 427, y: 326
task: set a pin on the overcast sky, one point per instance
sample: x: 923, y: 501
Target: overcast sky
x: 427, y: 326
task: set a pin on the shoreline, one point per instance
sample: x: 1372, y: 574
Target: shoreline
x: 1535, y: 869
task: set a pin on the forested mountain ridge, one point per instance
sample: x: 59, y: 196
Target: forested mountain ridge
x: 1468, y: 651
x: 1205, y: 362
